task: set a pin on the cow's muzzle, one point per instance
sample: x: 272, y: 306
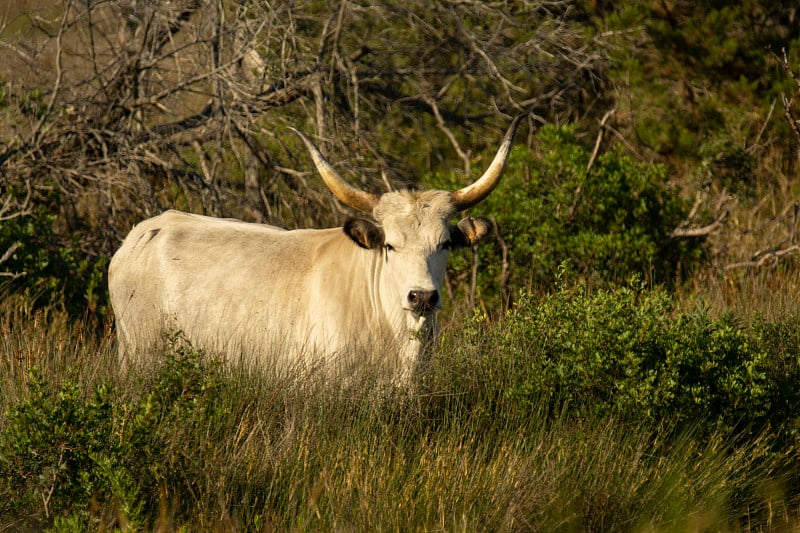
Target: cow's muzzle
x: 423, y: 302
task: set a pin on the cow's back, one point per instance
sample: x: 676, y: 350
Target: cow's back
x: 230, y: 286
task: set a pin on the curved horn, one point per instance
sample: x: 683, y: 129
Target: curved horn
x: 346, y: 193
x: 480, y: 189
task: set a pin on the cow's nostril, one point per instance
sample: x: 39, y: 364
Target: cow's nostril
x: 422, y: 301
x: 415, y: 299
x: 434, y: 298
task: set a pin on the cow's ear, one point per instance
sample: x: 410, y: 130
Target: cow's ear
x: 469, y: 231
x: 364, y: 233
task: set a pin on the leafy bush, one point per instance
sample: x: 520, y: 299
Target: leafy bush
x: 628, y: 353
x: 185, y: 446
x: 47, y: 266
x: 61, y: 450
x: 781, y: 340
x: 610, y: 222
x: 64, y: 455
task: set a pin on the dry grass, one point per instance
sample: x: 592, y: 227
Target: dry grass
x: 251, y: 451
x: 50, y: 340
x: 769, y: 293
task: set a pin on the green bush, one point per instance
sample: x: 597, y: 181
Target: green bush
x: 61, y: 450
x: 186, y: 446
x: 46, y: 266
x: 65, y: 454
x: 630, y: 354
x: 610, y: 222
x: 781, y: 340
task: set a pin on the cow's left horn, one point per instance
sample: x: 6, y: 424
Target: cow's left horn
x: 346, y: 193
x: 480, y: 189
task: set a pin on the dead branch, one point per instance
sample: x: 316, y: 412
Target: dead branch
x: 683, y: 230
x: 599, y: 139
x: 8, y: 253
x: 755, y: 144
x: 5, y: 257
x: 703, y: 231
x: 790, y: 118
x: 504, y: 256
x: 473, y: 277
x: 783, y: 61
x: 764, y: 258
x: 464, y: 156
x: 12, y: 207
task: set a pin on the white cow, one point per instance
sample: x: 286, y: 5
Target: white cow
x: 303, y: 295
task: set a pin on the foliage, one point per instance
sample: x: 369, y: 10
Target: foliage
x: 74, y: 453
x: 781, y: 340
x: 61, y: 449
x: 698, y: 87
x: 395, y: 91
x: 190, y: 444
x: 630, y: 354
x: 48, y: 266
x: 609, y: 222
x: 190, y: 104
x: 606, y: 405
x: 694, y: 71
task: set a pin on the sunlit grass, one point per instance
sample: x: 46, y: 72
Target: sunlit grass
x: 769, y: 293
x: 232, y: 449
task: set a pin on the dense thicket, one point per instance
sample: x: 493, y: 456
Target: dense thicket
x: 187, y: 105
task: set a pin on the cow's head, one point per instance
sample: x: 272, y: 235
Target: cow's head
x: 412, y: 230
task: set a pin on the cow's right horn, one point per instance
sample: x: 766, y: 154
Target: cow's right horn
x: 480, y: 189
x: 346, y: 193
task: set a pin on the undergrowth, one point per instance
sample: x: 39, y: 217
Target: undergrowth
x: 580, y: 411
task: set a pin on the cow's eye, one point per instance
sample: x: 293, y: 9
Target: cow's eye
x: 389, y: 247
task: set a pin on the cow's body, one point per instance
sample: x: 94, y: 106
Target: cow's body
x: 241, y: 288
x: 229, y: 285
x: 258, y: 291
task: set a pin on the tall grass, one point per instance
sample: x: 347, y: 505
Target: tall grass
x: 763, y: 293
x: 191, y: 443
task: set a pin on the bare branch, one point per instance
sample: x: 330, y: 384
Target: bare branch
x: 790, y: 118
x: 765, y: 258
x: 783, y: 60
x: 12, y: 207
x: 721, y: 214
x: 5, y: 257
x: 599, y: 139
x: 149, y: 105
x: 45, y: 116
x: 755, y: 144
x: 442, y: 126
x: 702, y: 231
x: 473, y: 283
x: 504, y: 257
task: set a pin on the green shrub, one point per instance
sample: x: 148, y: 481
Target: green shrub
x: 47, y: 267
x: 60, y: 451
x: 186, y: 446
x: 627, y: 353
x: 71, y: 458
x: 781, y: 340
x: 610, y: 222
